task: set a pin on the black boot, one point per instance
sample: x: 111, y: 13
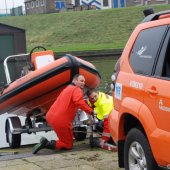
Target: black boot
x: 39, y: 146
x: 51, y: 145
x: 96, y: 142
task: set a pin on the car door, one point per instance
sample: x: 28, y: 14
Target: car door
x: 157, y: 96
x: 142, y: 60
x: 157, y: 99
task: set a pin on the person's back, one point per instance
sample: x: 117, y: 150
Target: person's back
x: 63, y: 104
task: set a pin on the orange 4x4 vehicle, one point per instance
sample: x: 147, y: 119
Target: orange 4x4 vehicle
x: 140, y: 121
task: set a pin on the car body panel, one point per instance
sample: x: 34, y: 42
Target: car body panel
x: 145, y: 98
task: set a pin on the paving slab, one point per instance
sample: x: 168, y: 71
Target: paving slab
x: 81, y: 157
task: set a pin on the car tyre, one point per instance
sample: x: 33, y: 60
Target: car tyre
x: 137, y: 152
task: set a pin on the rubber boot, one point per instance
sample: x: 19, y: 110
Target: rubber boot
x: 39, y: 146
x: 51, y: 145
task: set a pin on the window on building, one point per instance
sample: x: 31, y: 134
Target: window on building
x: 32, y: 4
x: 60, y: 4
x: 27, y: 5
x: 37, y: 3
x: 137, y: 1
x: 105, y: 3
x: 42, y: 2
x: 145, y: 50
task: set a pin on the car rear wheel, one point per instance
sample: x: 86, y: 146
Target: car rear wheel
x: 137, y: 152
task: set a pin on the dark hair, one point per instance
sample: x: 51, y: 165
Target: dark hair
x: 90, y: 91
x: 76, y: 76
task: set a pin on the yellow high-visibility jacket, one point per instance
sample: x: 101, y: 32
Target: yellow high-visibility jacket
x: 103, y: 106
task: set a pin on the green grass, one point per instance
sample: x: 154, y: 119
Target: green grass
x: 83, y: 30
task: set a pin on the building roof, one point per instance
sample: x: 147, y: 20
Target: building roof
x: 11, y: 27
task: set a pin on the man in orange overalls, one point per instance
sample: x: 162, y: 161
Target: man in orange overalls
x: 62, y: 113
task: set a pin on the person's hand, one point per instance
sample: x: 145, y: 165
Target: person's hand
x: 94, y: 114
x: 89, y: 121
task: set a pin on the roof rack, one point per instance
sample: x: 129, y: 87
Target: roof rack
x: 155, y: 16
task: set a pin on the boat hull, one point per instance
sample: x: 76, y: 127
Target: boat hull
x: 40, y: 88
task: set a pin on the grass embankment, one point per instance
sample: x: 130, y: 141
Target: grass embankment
x: 83, y: 30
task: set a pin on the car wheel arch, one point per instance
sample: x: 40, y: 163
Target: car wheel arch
x: 125, y: 126
x: 136, y: 121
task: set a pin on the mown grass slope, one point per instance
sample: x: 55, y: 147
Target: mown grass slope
x: 83, y: 30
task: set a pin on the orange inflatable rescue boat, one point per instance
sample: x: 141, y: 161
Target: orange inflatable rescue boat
x: 40, y: 87
x: 32, y: 94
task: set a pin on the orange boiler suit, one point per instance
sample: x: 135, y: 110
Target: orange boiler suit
x: 62, y: 113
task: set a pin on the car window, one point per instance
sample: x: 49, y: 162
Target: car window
x: 163, y: 65
x: 145, y: 50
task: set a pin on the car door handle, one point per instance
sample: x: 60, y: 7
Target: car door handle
x: 152, y: 91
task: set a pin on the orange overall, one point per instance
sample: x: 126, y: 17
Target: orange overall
x: 62, y: 113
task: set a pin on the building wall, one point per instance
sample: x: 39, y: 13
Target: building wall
x: 48, y: 6
x: 151, y: 2
x: 134, y: 2
x: 103, y: 4
x: 145, y: 2
x: 100, y: 4
x: 39, y: 6
x: 13, y: 41
x: 19, y: 37
x: 16, y: 11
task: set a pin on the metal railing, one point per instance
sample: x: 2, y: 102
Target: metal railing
x: 6, y: 69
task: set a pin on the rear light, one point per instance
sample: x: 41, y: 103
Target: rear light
x: 115, y: 74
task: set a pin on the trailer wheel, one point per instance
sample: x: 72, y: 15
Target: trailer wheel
x: 14, y: 140
x: 80, y: 133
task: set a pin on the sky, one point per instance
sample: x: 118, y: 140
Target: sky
x: 10, y: 3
